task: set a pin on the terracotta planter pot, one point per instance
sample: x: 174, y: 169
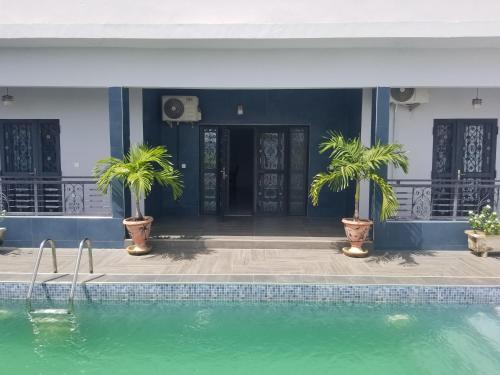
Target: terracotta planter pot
x: 139, y: 233
x: 356, y: 232
x: 2, y: 234
x: 481, y: 244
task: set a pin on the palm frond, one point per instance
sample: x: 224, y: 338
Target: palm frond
x: 139, y: 169
x: 381, y: 155
x: 390, y: 203
x: 334, y: 180
x: 351, y: 161
x: 340, y: 148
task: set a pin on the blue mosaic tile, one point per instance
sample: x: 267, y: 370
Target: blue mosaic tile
x: 255, y: 292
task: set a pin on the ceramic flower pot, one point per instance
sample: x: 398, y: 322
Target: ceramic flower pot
x: 138, y: 231
x: 2, y: 234
x: 356, y: 231
x: 481, y: 244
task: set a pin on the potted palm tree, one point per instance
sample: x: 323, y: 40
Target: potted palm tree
x: 139, y: 169
x: 4, y: 204
x: 351, y: 162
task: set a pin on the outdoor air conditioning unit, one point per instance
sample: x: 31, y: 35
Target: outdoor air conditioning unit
x: 410, y: 97
x: 180, y: 109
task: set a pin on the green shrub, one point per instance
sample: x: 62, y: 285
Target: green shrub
x: 485, y: 221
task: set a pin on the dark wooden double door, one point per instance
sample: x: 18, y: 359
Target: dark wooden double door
x: 276, y: 169
x: 463, y: 166
x: 30, y: 161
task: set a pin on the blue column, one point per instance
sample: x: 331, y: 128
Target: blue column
x: 119, y: 138
x: 380, y: 132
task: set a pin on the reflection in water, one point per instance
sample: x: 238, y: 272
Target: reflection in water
x: 399, y: 320
x: 487, y: 327
x: 497, y: 309
x: 53, y: 328
x: 6, y: 314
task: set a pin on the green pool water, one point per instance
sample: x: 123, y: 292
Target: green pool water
x: 211, y: 338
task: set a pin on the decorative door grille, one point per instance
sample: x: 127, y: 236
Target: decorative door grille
x: 209, y: 170
x: 271, y: 172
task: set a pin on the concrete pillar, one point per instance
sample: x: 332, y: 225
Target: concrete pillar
x: 119, y: 138
x: 380, y: 132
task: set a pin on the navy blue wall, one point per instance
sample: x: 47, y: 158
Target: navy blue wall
x: 321, y: 110
x: 421, y: 235
x: 65, y: 231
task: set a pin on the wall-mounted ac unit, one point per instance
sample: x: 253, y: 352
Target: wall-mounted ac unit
x: 180, y: 109
x: 409, y: 96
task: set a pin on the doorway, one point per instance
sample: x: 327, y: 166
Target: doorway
x: 241, y: 171
x: 253, y: 170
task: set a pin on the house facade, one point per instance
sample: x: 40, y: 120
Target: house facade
x: 87, y: 82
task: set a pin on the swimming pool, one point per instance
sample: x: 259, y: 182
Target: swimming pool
x: 250, y: 338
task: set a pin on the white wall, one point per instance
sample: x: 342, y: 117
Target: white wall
x: 414, y: 128
x: 135, y: 103
x: 366, y: 123
x: 136, y: 129
x: 84, y: 122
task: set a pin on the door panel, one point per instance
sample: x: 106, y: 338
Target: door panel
x: 18, y: 149
x: 297, y: 180
x: 476, y: 153
x: 18, y: 160
x: 271, y: 172
x: 50, y: 163
x: 224, y: 166
x: 476, y: 163
x: 209, y: 170
x: 444, y: 160
x: 50, y: 196
x: 443, y: 166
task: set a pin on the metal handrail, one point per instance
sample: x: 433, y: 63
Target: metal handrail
x: 440, y: 199
x: 28, y: 195
x: 84, y: 242
x: 439, y: 181
x: 37, y: 264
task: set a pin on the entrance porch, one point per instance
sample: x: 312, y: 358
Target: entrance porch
x: 254, y: 152
x: 248, y: 226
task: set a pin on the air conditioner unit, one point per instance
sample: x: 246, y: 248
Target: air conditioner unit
x: 409, y: 96
x: 180, y: 109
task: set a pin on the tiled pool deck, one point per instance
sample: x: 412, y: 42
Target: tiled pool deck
x: 259, y: 274
x: 259, y: 265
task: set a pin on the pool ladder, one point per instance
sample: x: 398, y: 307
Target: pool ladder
x: 84, y: 243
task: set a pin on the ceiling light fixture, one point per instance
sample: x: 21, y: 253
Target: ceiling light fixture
x: 477, y: 102
x: 239, y: 110
x: 7, y: 100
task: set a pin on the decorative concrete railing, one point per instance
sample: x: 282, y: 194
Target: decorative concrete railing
x: 53, y: 196
x: 443, y: 199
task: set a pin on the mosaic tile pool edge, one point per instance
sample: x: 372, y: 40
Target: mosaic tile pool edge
x: 410, y: 294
